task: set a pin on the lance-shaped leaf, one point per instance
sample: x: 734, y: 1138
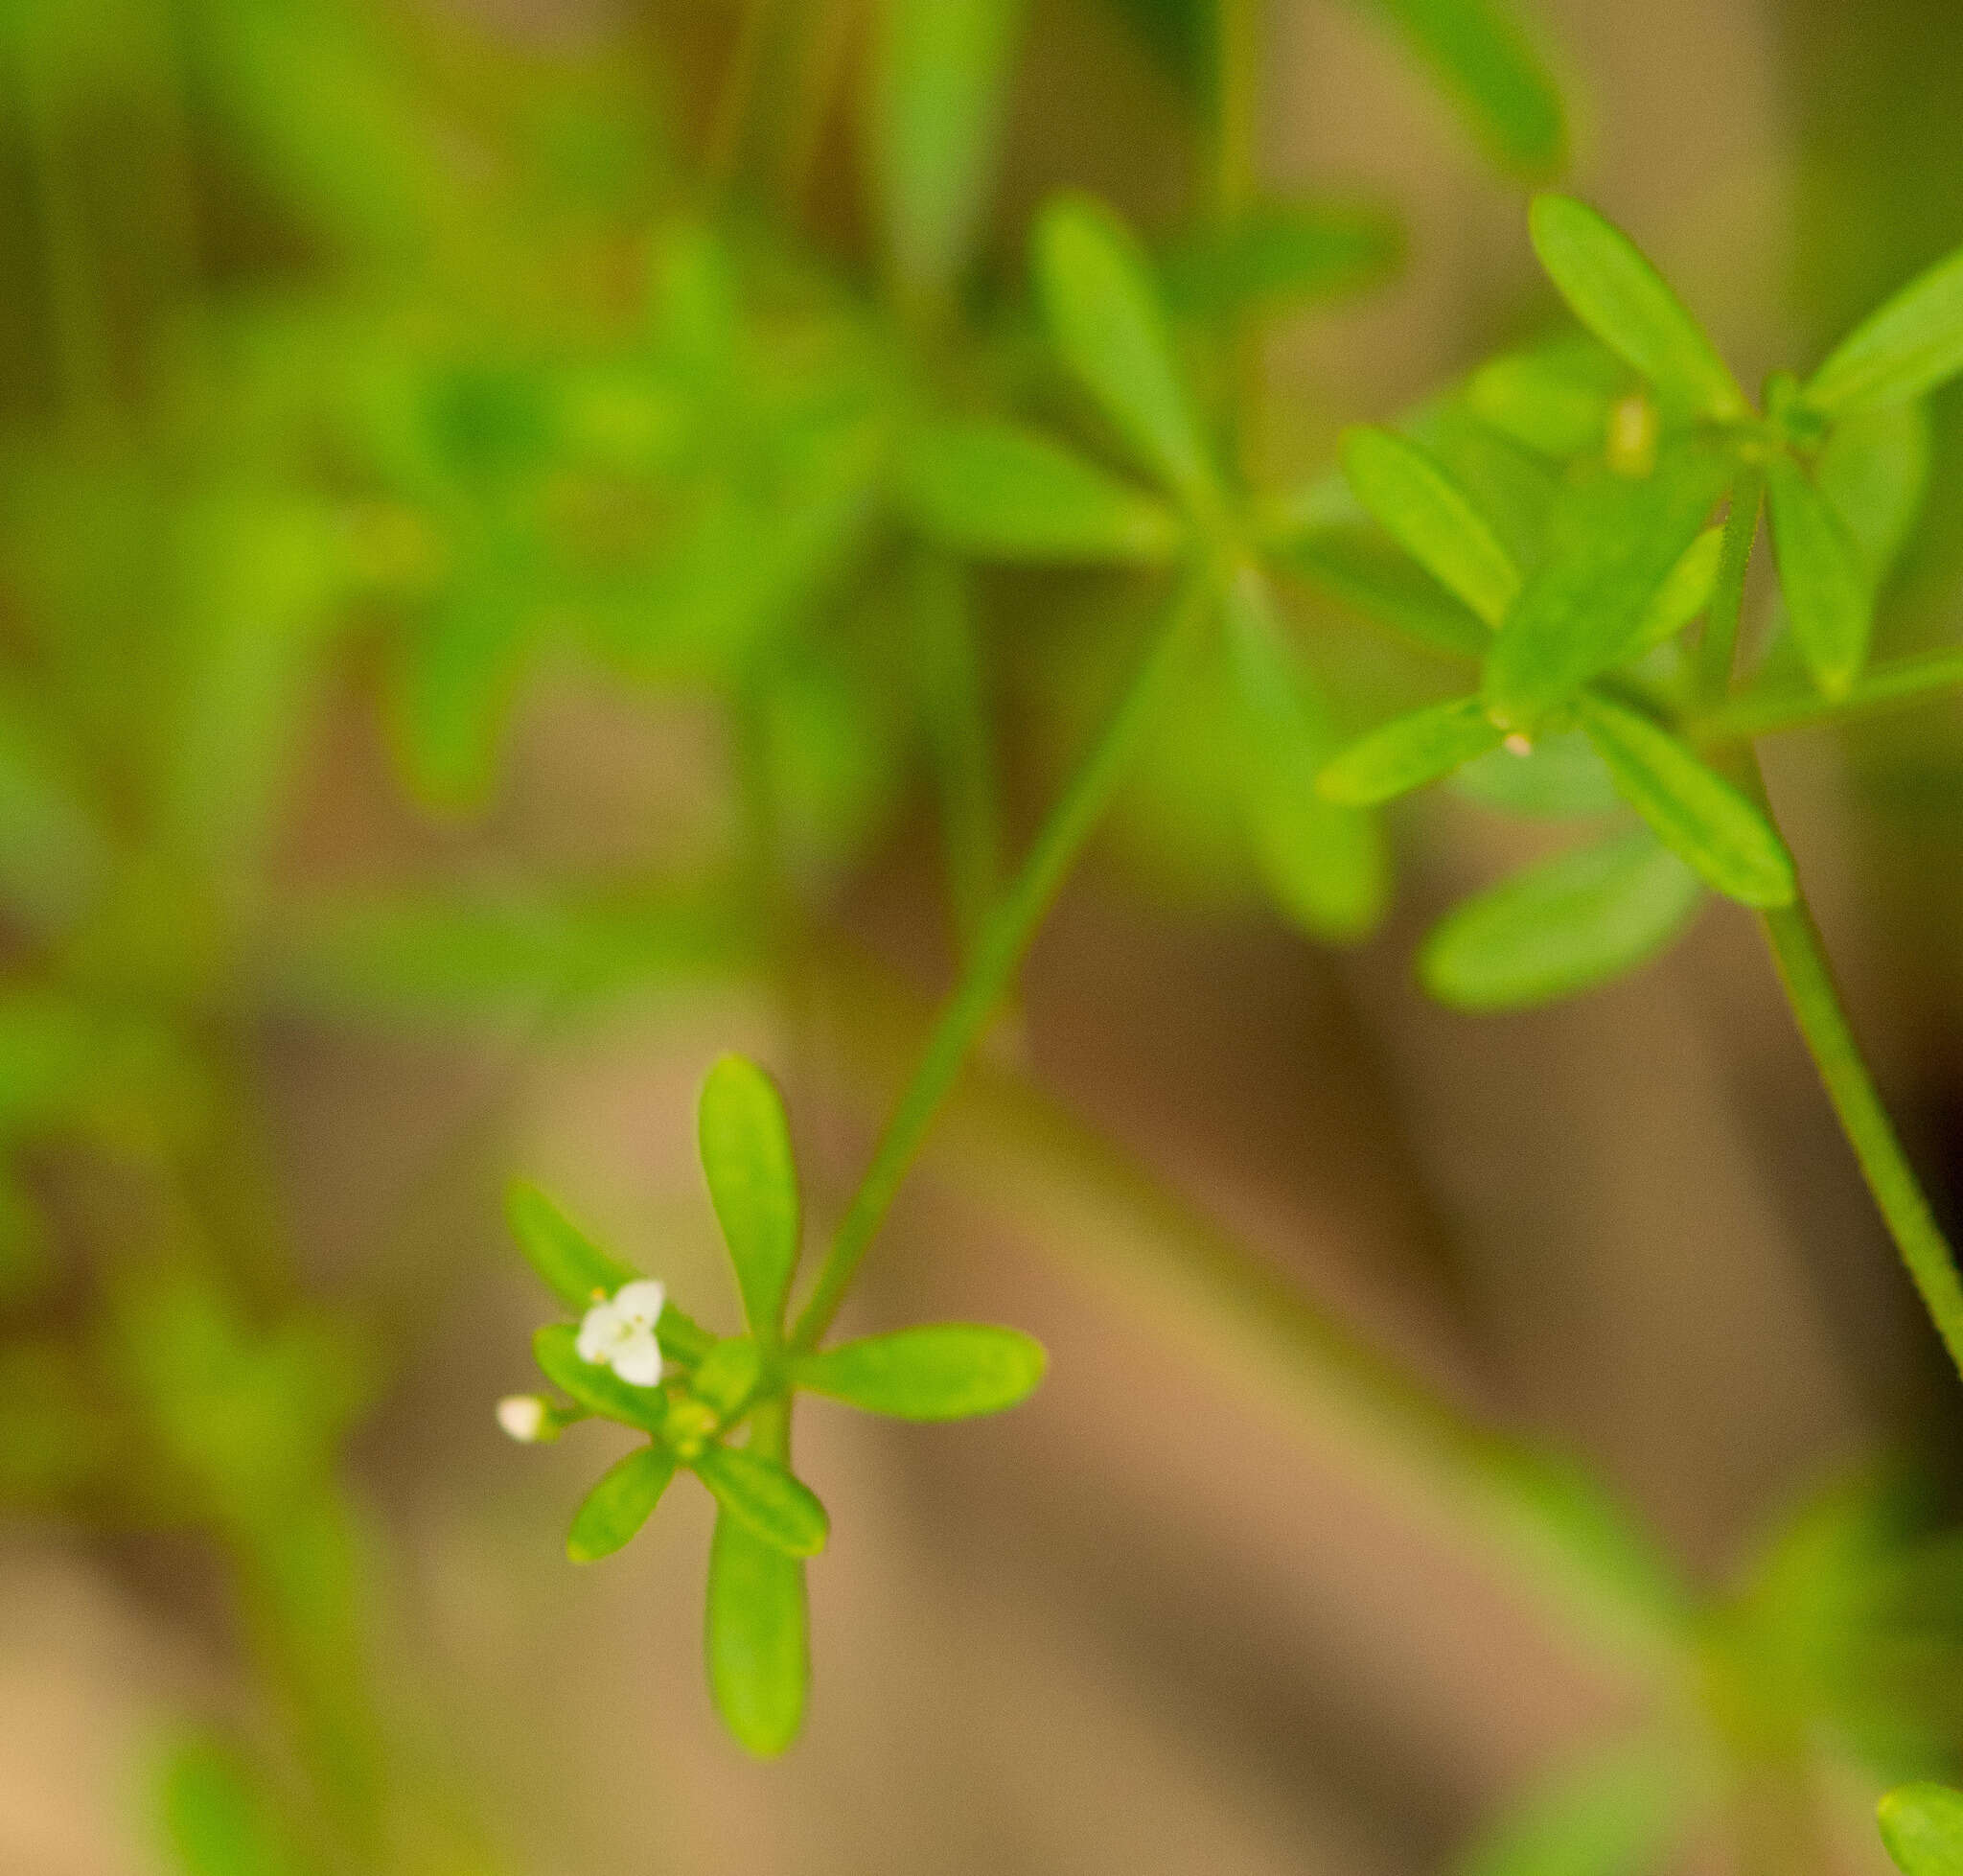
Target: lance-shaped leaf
x: 573, y: 1268
x: 1356, y: 565
x: 999, y: 492
x: 1553, y: 400
x: 1324, y: 863
x: 1626, y: 304
x: 1874, y: 472
x: 1478, y: 54
x: 599, y: 1390
x: 1922, y: 1825
x: 1432, y: 518
x: 1281, y: 252
x: 1562, y: 927
x: 1560, y: 777
x: 776, y: 1507
x: 1684, y: 593
x: 752, y: 1181
x: 1904, y: 349
x: 619, y: 1504
x: 1105, y: 320
x: 1695, y: 813
x: 938, y: 1371
x: 1409, y: 751
x: 756, y: 1637
x: 939, y: 72
x: 1827, y: 591
x: 1613, y: 543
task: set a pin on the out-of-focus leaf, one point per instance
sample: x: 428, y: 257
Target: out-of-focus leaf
x: 1828, y: 593
x: 757, y: 1638
x: 569, y: 1262
x: 1560, y: 927
x: 1554, y: 399
x: 1616, y: 1811
x: 1002, y: 493
x: 1478, y: 54
x: 764, y: 1496
x: 745, y: 1138
x: 619, y: 1504
x: 599, y: 1390
x: 728, y: 1375
x: 1874, y: 472
x: 1559, y: 777
x: 1409, y: 751
x: 1614, y: 541
x: 1922, y: 1825
x: 1432, y: 519
x: 218, y: 1816
x: 1695, y: 813
x: 938, y: 1371
x: 1354, y: 566
x: 54, y: 852
x: 1902, y: 350
x: 1626, y: 304
x: 1324, y: 863
x: 1106, y: 322
x: 1684, y: 593
x: 939, y: 70
x: 1282, y: 253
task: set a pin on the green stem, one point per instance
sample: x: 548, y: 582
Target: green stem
x: 1236, y: 82
x: 1809, y: 979
x: 998, y: 950
x: 1720, y: 643
x: 1903, y: 681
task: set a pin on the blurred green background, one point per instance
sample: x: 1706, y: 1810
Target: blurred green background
x: 465, y: 662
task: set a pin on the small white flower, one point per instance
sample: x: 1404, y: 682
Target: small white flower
x: 618, y: 1333
x: 522, y: 1416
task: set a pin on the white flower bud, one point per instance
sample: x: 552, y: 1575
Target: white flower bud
x: 522, y: 1416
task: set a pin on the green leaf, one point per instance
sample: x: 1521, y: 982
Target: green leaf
x: 619, y: 1504
x: 1555, y: 400
x: 1409, y: 751
x: 571, y: 1264
x: 752, y: 1180
x: 1615, y: 1812
x: 1614, y: 541
x: 1356, y: 567
x: 1684, y: 593
x: 756, y: 1632
x: 1478, y: 54
x: 999, y: 492
x: 776, y: 1507
x: 938, y: 1371
x: 1566, y: 925
x: 54, y: 852
x: 219, y: 1816
x: 1874, y: 472
x: 1922, y: 1825
x: 1432, y: 519
x: 599, y: 1390
x: 1904, y: 349
x: 1560, y: 777
x: 1106, y: 321
x: 1282, y: 253
x: 1695, y: 813
x: 1324, y: 863
x: 939, y: 72
x: 1626, y: 304
x: 1828, y: 596
x: 728, y: 1375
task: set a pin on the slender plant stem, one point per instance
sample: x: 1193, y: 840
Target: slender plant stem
x: 1720, y: 643
x: 1904, y: 680
x: 1236, y: 82
x: 1000, y: 949
x: 1809, y: 979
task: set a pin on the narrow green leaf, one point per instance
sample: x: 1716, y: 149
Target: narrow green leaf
x: 938, y: 1371
x: 1409, y: 751
x: 1614, y: 541
x: 728, y: 1375
x: 599, y: 1390
x: 1553, y: 400
x: 1565, y: 926
x: 1827, y: 593
x: 219, y: 1816
x: 1106, y: 321
x: 1874, y: 472
x: 619, y: 1504
x: 1559, y: 777
x: 1480, y: 57
x: 752, y: 1181
x: 1685, y: 593
x: 1904, y: 349
x: 756, y: 1632
x: 779, y: 1507
x: 1922, y: 1825
x: 1614, y: 1813
x: 1695, y: 813
x: 1282, y: 253
x: 1323, y: 861
x: 1356, y: 565
x: 571, y: 1264
x: 940, y: 72
x: 1432, y: 518
x: 1626, y: 304
x: 999, y: 492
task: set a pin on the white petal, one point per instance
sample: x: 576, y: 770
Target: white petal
x: 640, y: 1302
x: 522, y: 1416
x: 599, y: 1329
x: 637, y: 1358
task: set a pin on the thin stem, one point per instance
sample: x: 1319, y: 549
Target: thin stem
x: 1809, y: 978
x: 1912, y: 680
x: 1237, y: 80
x: 1719, y: 644
x: 998, y: 950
